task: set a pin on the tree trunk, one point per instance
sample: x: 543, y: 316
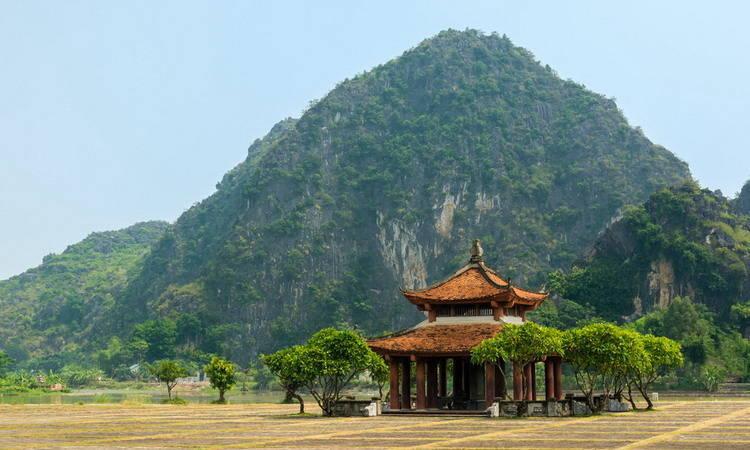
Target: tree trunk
x: 590, y: 402
x: 301, y: 403
x: 221, y: 396
x: 630, y: 398
x: 647, y: 398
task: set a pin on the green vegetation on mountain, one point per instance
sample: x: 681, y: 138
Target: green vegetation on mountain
x: 742, y: 201
x: 379, y: 185
x: 383, y: 183
x: 684, y: 241
x: 678, y: 267
x: 54, y: 313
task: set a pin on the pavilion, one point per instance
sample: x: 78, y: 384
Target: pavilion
x: 470, y: 306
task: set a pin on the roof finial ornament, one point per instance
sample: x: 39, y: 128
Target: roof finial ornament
x: 476, y: 251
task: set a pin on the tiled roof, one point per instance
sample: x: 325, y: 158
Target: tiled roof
x: 528, y: 295
x: 468, y: 284
x: 436, y: 339
x: 474, y: 283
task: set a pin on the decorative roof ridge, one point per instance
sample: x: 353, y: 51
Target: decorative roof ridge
x: 484, y: 269
x: 397, y: 333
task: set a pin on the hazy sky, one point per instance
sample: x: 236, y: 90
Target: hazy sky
x: 118, y: 112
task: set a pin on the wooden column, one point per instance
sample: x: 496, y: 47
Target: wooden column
x: 406, y: 384
x: 533, y: 381
x: 549, y: 379
x: 489, y: 384
x: 527, y: 387
x: 394, y: 400
x: 421, y: 404
x: 432, y: 380
x: 558, y: 378
x: 517, y: 382
x: 443, y: 388
x: 458, y: 378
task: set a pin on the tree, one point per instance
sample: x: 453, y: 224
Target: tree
x: 291, y: 367
x: 519, y: 344
x: 662, y: 355
x: 325, y: 365
x: 379, y: 372
x: 168, y: 371
x: 221, y: 374
x: 336, y: 357
x: 161, y: 336
x: 602, y: 355
x: 5, y: 362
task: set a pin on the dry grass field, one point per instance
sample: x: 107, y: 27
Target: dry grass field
x: 701, y: 424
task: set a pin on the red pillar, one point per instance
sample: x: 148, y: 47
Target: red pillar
x: 558, y: 378
x: 406, y: 384
x: 533, y: 381
x: 421, y: 404
x: 443, y: 388
x: 528, y: 387
x: 394, y: 400
x: 489, y: 384
x: 549, y: 379
x: 517, y: 382
x: 432, y: 380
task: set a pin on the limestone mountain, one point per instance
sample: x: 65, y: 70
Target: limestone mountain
x: 684, y: 241
x: 742, y: 202
x: 383, y: 183
x: 54, y: 308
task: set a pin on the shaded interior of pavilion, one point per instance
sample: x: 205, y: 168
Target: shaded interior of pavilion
x: 454, y: 383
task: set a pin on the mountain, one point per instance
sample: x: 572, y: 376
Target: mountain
x: 742, y: 201
x: 58, y: 306
x: 683, y: 242
x: 383, y: 183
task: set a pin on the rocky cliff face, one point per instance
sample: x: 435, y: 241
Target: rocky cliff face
x: 384, y: 182
x: 684, y: 242
x: 743, y: 200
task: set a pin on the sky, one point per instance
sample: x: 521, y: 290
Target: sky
x: 117, y: 112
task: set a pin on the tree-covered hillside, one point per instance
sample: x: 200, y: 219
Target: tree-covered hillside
x: 58, y: 307
x: 743, y: 200
x: 383, y: 183
x: 683, y: 242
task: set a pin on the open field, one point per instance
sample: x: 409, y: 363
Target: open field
x: 676, y: 424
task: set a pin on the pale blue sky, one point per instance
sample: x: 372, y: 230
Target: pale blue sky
x: 117, y: 112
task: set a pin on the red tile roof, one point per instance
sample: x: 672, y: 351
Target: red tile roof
x: 436, y: 339
x: 474, y: 283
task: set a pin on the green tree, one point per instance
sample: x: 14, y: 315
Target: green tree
x: 161, y: 336
x: 5, y: 362
x: 519, y: 344
x: 293, y: 369
x: 662, y: 356
x: 602, y: 355
x: 167, y: 371
x: 379, y: 372
x: 221, y: 374
x: 336, y: 358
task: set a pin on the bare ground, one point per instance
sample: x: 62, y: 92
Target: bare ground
x: 697, y: 424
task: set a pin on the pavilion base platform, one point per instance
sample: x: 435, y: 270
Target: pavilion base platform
x: 435, y: 412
